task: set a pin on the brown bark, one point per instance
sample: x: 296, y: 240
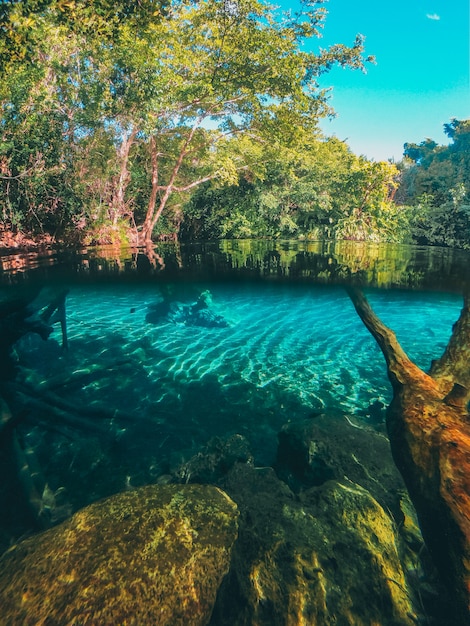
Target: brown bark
x: 154, y: 191
x: 429, y: 429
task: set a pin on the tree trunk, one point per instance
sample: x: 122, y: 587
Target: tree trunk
x: 154, y: 191
x: 153, y: 214
x: 118, y: 201
x: 429, y: 430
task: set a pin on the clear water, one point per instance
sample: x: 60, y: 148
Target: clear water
x: 138, y: 395
x: 306, y: 343
x: 285, y: 354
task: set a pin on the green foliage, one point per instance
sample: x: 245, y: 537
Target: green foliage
x: 435, y: 182
x: 115, y: 112
x: 315, y: 189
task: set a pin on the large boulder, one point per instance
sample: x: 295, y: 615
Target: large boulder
x: 327, y: 556
x: 335, y: 446
x: 155, y: 555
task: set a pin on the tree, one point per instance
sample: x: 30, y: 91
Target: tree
x: 229, y: 68
x: 434, y: 181
x: 316, y: 188
x: 428, y: 428
x: 419, y: 152
x: 459, y: 132
x: 178, y: 82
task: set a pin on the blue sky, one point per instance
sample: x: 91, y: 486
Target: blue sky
x: 421, y: 79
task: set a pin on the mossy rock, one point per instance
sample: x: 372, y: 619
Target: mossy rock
x: 155, y: 555
x: 333, y: 446
x: 326, y: 557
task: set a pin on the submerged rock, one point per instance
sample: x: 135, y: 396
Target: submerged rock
x: 328, y: 556
x: 214, y: 461
x: 155, y: 555
x: 332, y: 446
x: 199, y: 313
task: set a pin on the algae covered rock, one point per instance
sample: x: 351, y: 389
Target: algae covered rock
x: 155, y: 555
x: 214, y: 461
x: 333, y: 446
x: 326, y: 557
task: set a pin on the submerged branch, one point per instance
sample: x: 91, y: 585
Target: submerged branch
x: 68, y: 380
x: 398, y: 363
x: 64, y: 416
x: 429, y: 431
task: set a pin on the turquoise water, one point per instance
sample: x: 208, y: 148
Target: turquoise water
x: 163, y: 368
x: 306, y: 343
x: 150, y: 394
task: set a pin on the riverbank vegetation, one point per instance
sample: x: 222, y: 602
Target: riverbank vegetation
x: 131, y: 122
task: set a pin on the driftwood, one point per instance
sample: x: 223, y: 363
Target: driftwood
x: 77, y: 378
x: 429, y: 429
x: 30, y: 311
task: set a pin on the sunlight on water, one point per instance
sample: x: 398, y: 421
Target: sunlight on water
x: 282, y: 354
x: 139, y: 394
x: 303, y: 342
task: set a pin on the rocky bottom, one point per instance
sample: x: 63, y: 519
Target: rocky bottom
x: 326, y: 536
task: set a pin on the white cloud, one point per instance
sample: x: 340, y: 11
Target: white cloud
x: 433, y: 16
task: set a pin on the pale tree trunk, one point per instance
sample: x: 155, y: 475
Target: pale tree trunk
x: 157, y: 205
x: 429, y: 429
x: 154, y: 211
x: 154, y: 191
x: 152, y: 217
x: 118, y: 200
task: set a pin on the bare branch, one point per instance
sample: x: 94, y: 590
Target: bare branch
x: 398, y: 363
x: 196, y: 183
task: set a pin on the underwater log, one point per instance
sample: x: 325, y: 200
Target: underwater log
x: 429, y: 430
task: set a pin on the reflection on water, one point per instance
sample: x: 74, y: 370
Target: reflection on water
x: 365, y: 264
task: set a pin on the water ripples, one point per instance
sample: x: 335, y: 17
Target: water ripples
x: 306, y: 343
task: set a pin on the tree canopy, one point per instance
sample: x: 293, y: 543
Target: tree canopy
x: 113, y: 112
x: 315, y: 189
x: 435, y: 183
x: 127, y: 121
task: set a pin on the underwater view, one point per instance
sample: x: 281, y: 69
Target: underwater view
x: 271, y: 387
x: 266, y: 356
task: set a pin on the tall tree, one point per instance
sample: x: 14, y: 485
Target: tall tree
x: 180, y: 81
x: 435, y: 180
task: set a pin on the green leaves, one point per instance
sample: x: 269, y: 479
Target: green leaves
x: 313, y: 188
x: 435, y: 182
x: 170, y: 94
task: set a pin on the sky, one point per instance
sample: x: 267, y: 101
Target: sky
x: 420, y: 80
